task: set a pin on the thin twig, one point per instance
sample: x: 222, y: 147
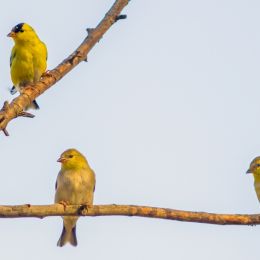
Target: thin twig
x: 127, y: 210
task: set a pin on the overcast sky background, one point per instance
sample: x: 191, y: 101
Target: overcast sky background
x: 167, y: 113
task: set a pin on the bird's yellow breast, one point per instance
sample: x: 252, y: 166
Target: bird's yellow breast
x: 28, y: 63
x: 22, y: 71
x: 75, y: 186
x: 257, y: 185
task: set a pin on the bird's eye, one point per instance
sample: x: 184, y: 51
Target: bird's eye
x: 70, y: 156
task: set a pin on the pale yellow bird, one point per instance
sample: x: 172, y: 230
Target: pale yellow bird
x: 28, y: 59
x: 255, y: 170
x: 75, y: 185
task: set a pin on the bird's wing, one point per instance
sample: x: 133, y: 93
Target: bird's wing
x: 56, y: 183
x: 45, y: 50
x: 13, y: 53
x: 94, y: 180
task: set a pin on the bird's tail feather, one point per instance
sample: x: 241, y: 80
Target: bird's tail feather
x: 68, y: 236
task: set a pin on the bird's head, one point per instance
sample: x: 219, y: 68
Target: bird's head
x: 254, y: 166
x: 22, y: 32
x: 72, y: 159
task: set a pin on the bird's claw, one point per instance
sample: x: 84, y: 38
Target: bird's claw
x: 64, y: 204
x: 82, y: 208
x: 47, y: 73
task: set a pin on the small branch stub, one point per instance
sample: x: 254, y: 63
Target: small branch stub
x: 5, y: 132
x: 121, y: 17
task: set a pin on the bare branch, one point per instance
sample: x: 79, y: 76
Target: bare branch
x: 32, y: 91
x: 127, y: 210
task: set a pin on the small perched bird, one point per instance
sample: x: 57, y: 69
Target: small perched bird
x: 75, y: 185
x: 28, y: 59
x: 255, y: 170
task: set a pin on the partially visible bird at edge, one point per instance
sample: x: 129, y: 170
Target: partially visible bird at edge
x: 254, y: 168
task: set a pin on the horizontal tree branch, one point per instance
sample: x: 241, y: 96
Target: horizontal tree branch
x: 32, y: 91
x: 127, y: 210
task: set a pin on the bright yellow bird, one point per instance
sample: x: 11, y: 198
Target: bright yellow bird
x: 75, y: 185
x: 28, y: 59
x: 255, y: 170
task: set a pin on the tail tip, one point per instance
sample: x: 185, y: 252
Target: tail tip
x: 68, y: 237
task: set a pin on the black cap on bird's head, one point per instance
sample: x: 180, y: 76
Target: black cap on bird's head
x: 16, y: 29
x: 23, y: 32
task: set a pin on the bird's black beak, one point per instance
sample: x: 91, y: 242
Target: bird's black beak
x: 248, y: 171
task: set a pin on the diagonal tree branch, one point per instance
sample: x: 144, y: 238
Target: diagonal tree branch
x: 128, y: 210
x: 32, y: 91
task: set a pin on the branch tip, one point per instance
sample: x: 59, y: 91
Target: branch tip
x: 89, y: 30
x: 26, y: 114
x: 6, y: 132
x: 47, y: 73
x: 121, y: 17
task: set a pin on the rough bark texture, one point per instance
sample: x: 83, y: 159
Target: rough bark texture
x: 127, y: 210
x: 32, y: 91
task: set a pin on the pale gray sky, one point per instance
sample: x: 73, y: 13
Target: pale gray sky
x: 167, y: 113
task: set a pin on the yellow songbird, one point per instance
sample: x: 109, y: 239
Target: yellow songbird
x: 75, y: 185
x: 255, y: 170
x: 28, y: 59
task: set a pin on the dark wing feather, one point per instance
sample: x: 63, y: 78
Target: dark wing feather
x: 13, y: 54
x: 13, y: 90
